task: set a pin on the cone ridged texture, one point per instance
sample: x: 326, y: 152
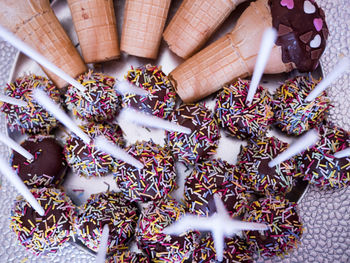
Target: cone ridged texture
x: 96, y: 27
x: 232, y: 56
x: 35, y: 23
x: 143, y: 26
x: 194, y: 22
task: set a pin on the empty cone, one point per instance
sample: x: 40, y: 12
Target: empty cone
x: 232, y: 56
x: 194, y: 22
x: 35, y: 23
x: 143, y: 26
x: 96, y: 27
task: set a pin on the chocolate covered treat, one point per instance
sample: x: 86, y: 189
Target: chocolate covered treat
x: 293, y: 114
x: 215, y: 177
x: 161, y: 97
x: 99, y: 102
x: 107, y: 208
x: 253, y: 163
x: 127, y: 257
x: 284, y: 226
x: 159, y: 246
x: 236, y: 117
x: 236, y: 250
x: 203, y: 140
x: 49, y: 166
x: 85, y: 159
x: 32, y: 118
x: 318, y: 164
x: 43, y: 235
x: 154, y: 181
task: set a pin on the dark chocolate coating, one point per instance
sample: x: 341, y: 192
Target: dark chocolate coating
x: 127, y: 257
x: 48, y: 167
x: 296, y: 29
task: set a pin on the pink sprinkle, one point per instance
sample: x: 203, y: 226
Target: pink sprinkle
x: 318, y: 23
x: 288, y: 3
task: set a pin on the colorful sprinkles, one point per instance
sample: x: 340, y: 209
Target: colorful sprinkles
x: 86, y: 160
x: 161, y: 98
x: 99, y: 103
x: 238, y: 119
x: 318, y: 164
x: 209, y: 178
x: 44, y: 235
x: 152, y: 182
x: 253, y: 162
x: 161, y: 247
x: 127, y: 257
x: 285, y: 228
x: 204, y: 137
x: 293, y: 114
x: 107, y: 208
x: 33, y: 118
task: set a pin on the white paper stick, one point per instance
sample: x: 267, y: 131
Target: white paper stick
x: 299, y: 145
x: 46, y: 102
x: 102, y: 250
x: 15, y: 146
x: 148, y: 120
x: 106, y: 146
x: 267, y: 42
x: 343, y: 153
x: 16, y: 181
x: 33, y: 54
x: 125, y: 87
x: 13, y: 101
x: 339, y: 69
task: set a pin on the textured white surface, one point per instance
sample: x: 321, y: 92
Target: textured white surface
x: 326, y: 214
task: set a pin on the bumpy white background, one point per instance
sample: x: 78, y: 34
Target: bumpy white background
x: 325, y: 214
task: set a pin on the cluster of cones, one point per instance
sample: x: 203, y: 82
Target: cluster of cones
x: 230, y: 57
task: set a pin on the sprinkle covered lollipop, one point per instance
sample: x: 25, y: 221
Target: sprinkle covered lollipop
x: 46, y: 234
x: 159, y: 246
x: 318, y: 164
x: 253, y: 162
x: 154, y: 181
x: 161, y: 97
x: 240, y: 120
x: 31, y: 118
x: 293, y: 114
x: 107, y: 208
x: 210, y: 177
x: 99, y: 102
x: 204, y: 137
x: 85, y: 159
x: 284, y: 226
x: 49, y: 165
x: 127, y: 257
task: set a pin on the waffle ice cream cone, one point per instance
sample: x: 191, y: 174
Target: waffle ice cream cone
x: 194, y: 22
x: 143, y: 26
x: 96, y: 27
x: 232, y: 56
x: 35, y: 23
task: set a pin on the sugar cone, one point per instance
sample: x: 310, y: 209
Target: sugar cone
x: 194, y: 22
x: 96, y: 27
x: 143, y: 26
x: 232, y: 56
x: 35, y: 23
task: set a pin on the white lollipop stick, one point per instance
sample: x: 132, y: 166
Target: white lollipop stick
x: 339, y: 69
x: 141, y: 118
x: 14, y: 179
x: 298, y: 146
x: 101, y: 254
x: 267, y: 42
x: 106, y: 146
x: 343, y: 153
x: 125, y: 87
x: 46, y: 102
x: 15, y: 146
x: 13, y: 101
x: 33, y: 54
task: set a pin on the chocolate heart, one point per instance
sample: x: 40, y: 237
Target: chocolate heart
x: 318, y: 23
x: 288, y: 3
